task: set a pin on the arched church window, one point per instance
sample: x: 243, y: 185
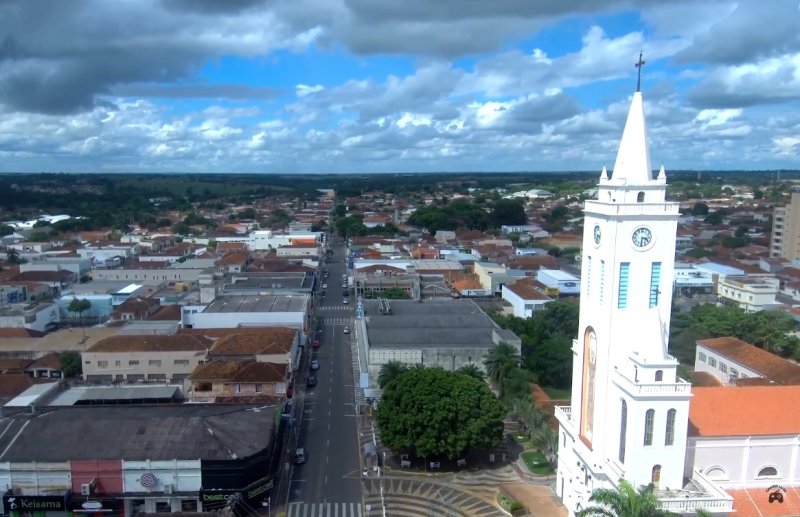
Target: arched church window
x: 623, y: 430
x: 659, y: 376
x: 669, y: 436
x: 640, y: 197
x: 649, y: 420
x: 767, y: 472
x: 716, y: 474
x: 655, y: 478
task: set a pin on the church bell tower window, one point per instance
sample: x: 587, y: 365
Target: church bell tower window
x: 649, y: 419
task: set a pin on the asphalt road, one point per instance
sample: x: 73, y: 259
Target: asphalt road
x: 328, y: 430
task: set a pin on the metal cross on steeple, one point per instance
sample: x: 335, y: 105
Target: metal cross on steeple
x: 639, y: 64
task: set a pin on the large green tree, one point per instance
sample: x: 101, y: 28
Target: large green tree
x: 508, y: 212
x: 434, y: 412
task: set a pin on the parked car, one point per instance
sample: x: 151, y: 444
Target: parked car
x: 345, y: 301
x: 314, y: 364
x: 324, y: 286
x: 311, y: 381
x: 300, y: 456
x: 346, y: 330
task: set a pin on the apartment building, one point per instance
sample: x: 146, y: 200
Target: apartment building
x: 786, y: 230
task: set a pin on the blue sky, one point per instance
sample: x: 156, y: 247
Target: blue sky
x: 338, y: 86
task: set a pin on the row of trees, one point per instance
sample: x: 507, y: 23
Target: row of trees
x: 769, y: 330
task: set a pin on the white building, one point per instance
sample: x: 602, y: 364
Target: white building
x: 524, y: 297
x: 751, y: 293
x: 629, y: 412
x: 565, y: 282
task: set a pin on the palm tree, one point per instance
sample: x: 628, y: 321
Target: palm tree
x: 546, y: 440
x: 472, y: 370
x: 390, y: 371
x: 500, y: 362
x: 625, y: 501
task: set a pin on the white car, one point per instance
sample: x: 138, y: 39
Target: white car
x: 324, y: 286
x: 347, y: 330
x: 314, y: 364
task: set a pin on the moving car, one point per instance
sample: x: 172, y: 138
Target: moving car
x: 300, y: 456
x: 347, y: 330
x: 345, y: 301
x: 314, y: 364
x: 311, y: 381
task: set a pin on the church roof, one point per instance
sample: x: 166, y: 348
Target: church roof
x: 772, y: 367
x: 718, y: 411
x: 633, y: 158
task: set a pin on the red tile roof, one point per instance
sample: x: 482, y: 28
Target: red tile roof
x: 526, y: 289
x: 155, y: 343
x: 239, y: 371
x: 719, y: 411
x: 769, y: 365
x: 754, y: 502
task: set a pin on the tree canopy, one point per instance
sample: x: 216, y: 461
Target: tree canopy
x: 458, y: 214
x: 765, y: 329
x: 546, y: 341
x: 625, y: 501
x: 432, y: 412
x: 71, y: 363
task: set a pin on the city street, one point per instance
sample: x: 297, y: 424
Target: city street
x: 329, y: 483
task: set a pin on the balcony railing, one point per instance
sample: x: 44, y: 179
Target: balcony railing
x: 565, y: 411
x: 631, y: 208
x: 654, y: 388
x: 713, y: 498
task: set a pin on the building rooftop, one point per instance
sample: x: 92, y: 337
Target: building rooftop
x: 269, y: 281
x: 83, y: 395
x: 718, y: 411
x: 239, y: 371
x: 272, y: 340
x: 266, y: 303
x: 774, y: 368
x: 526, y: 290
x: 185, y: 431
x: 152, y: 343
x: 431, y: 324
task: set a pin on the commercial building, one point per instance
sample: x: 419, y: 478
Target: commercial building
x: 447, y: 333
x: 751, y: 293
x: 125, y: 460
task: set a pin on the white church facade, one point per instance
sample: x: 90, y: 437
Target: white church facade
x: 730, y: 450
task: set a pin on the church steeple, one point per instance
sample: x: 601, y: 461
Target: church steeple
x: 633, y: 158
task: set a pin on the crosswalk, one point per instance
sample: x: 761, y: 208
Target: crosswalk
x: 334, y: 321
x: 324, y: 510
x: 341, y: 307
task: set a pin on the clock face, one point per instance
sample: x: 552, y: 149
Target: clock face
x: 642, y: 237
x: 597, y: 234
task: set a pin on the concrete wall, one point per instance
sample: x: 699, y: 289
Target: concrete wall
x: 42, y: 478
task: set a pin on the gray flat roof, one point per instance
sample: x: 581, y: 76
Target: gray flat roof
x: 72, y: 396
x: 266, y: 303
x: 269, y: 281
x: 171, y: 431
x: 431, y: 324
x: 98, y: 287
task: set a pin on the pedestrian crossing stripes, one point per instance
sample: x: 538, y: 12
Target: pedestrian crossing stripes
x: 334, y: 321
x: 324, y: 510
x: 341, y: 307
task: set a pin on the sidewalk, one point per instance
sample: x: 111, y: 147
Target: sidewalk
x: 539, y: 500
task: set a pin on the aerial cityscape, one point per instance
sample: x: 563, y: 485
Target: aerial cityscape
x: 352, y: 259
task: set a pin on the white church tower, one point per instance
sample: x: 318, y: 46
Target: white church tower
x: 629, y: 412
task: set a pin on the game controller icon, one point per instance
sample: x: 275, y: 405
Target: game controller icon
x: 776, y: 496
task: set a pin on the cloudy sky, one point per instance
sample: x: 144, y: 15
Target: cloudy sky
x: 394, y: 85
